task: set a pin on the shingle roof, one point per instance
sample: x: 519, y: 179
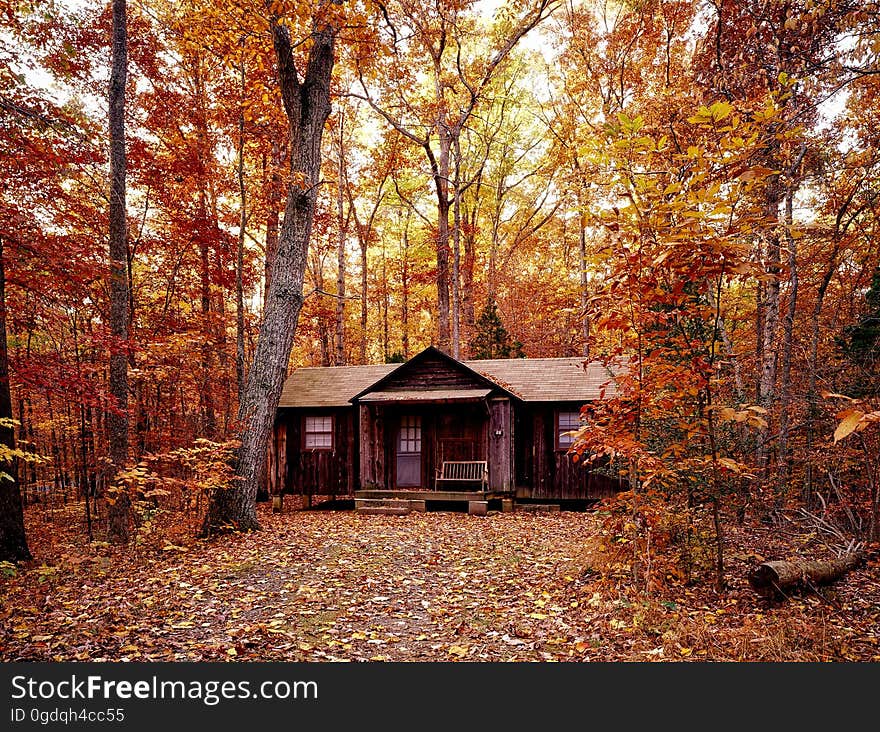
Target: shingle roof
x: 330, y: 386
x: 531, y: 379
x: 548, y: 379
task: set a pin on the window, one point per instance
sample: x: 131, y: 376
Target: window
x: 318, y: 433
x: 410, y: 435
x: 566, y: 422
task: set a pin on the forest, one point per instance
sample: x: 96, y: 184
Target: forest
x: 201, y: 196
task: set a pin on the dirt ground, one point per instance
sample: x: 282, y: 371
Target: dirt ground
x: 337, y: 586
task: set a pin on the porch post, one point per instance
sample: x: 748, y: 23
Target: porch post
x: 500, y: 444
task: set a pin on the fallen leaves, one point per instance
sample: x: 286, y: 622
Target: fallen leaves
x: 337, y: 586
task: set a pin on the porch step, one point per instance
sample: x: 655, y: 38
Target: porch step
x: 382, y: 506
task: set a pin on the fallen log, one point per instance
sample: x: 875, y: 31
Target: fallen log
x: 770, y: 579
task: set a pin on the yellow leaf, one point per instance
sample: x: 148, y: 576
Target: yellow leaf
x: 231, y: 652
x: 850, y: 420
x: 459, y: 651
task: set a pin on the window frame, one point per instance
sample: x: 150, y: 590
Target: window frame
x: 558, y: 429
x: 415, y: 436
x: 306, y: 432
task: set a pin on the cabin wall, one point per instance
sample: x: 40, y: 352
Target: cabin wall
x: 543, y: 472
x: 321, y: 472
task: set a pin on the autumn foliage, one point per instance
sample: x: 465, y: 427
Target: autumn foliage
x: 686, y: 191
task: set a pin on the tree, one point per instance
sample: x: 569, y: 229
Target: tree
x: 119, y: 503
x: 491, y: 339
x: 439, y: 37
x: 13, y: 543
x: 307, y: 105
x: 861, y: 343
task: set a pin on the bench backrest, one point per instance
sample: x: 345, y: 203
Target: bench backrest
x: 464, y: 469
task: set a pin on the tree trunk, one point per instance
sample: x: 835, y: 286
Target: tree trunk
x: 274, y: 204
x: 441, y: 183
x: 363, y: 241
x: 404, y: 286
x: 585, y: 284
x: 787, y: 342
x: 342, y: 224
x: 307, y: 104
x: 771, y: 579
x: 456, y: 255
x: 239, y: 251
x: 119, y: 505
x: 13, y: 543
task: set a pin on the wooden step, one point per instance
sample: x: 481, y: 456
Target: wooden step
x: 382, y: 506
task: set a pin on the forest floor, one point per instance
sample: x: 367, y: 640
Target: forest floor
x: 334, y: 585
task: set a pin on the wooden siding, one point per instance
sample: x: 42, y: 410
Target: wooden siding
x: 321, y: 472
x: 431, y: 372
x: 276, y: 471
x: 372, y: 447
x: 501, y: 444
x: 545, y: 472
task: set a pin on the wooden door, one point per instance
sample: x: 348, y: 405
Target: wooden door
x: 409, y: 452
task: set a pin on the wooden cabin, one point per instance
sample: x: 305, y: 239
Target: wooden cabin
x: 397, y: 437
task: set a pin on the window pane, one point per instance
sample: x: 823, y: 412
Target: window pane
x: 318, y: 432
x: 567, y: 422
x: 410, y: 439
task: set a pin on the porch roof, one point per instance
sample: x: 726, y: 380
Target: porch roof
x: 427, y: 395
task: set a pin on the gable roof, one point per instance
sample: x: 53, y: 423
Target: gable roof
x: 529, y: 379
x: 457, y: 369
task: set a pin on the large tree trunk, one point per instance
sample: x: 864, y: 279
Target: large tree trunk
x: 274, y: 204
x: 307, y: 104
x: 119, y: 508
x: 13, y: 543
x: 772, y: 579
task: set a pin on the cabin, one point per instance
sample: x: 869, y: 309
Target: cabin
x: 435, y: 430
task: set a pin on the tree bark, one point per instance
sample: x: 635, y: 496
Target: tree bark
x: 772, y: 579
x: 13, y: 542
x: 272, y: 216
x: 119, y: 505
x: 307, y: 104
x: 239, y: 250
x: 787, y: 344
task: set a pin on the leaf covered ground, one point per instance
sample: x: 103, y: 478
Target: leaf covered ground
x: 337, y: 586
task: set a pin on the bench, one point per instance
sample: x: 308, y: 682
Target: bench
x: 463, y: 471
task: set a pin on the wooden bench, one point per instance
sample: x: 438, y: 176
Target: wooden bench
x: 463, y: 471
